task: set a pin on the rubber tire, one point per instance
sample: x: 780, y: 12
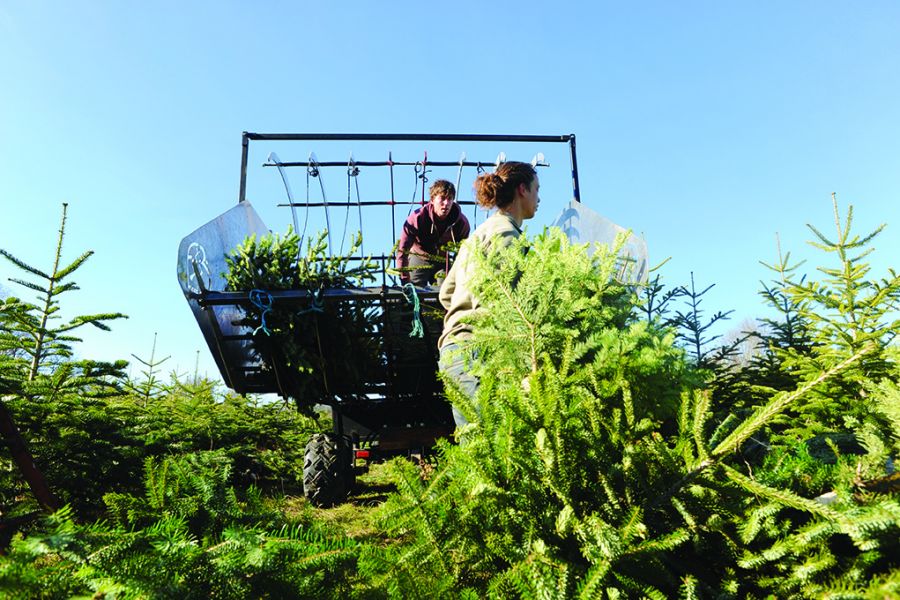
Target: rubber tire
x: 327, y: 470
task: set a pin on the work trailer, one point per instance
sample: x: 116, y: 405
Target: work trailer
x: 397, y: 405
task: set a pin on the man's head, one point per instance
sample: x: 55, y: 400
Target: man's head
x: 443, y: 194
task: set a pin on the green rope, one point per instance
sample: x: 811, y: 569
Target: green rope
x: 262, y: 300
x: 316, y: 305
x: 413, y: 298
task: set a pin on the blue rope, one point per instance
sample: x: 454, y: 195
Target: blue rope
x: 413, y: 298
x: 317, y: 305
x: 263, y: 300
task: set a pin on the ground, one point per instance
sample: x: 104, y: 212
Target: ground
x: 356, y: 516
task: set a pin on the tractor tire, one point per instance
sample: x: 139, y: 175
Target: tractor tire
x: 327, y: 470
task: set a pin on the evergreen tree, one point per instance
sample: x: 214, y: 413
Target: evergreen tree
x: 189, y: 535
x: 37, y: 358
x: 303, y: 337
x: 694, y: 332
x: 150, y: 386
x: 592, y: 468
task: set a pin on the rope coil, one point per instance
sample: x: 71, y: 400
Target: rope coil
x: 413, y: 298
x: 317, y: 305
x: 262, y: 300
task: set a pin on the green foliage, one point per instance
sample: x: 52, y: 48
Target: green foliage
x: 272, y: 263
x: 446, y: 255
x: 656, y: 301
x: 89, y: 437
x: 150, y: 385
x: 795, y: 468
x: 824, y: 321
x: 600, y: 460
x: 694, y: 331
x: 264, y: 440
x: 36, y: 359
x: 552, y: 481
x: 596, y: 465
x: 553, y: 304
x: 38, y: 356
x: 88, y: 447
x: 189, y: 536
x: 308, y: 338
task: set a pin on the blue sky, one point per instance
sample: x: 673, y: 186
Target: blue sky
x: 705, y: 126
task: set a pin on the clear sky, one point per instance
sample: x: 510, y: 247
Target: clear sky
x: 705, y: 126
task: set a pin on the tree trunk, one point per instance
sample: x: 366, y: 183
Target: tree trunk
x: 25, y: 461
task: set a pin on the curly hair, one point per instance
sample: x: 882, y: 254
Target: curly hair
x: 498, y: 189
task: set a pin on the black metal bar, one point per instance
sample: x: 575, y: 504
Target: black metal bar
x: 382, y: 163
x: 329, y: 295
x: 245, y: 147
x: 424, y: 175
x: 367, y: 203
x: 388, y: 341
x: 437, y: 137
x: 237, y: 338
x: 393, y: 215
x: 210, y: 314
x: 576, y: 190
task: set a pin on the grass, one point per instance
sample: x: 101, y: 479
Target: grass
x: 356, y: 517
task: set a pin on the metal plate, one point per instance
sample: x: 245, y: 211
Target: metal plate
x: 201, y: 266
x: 583, y: 225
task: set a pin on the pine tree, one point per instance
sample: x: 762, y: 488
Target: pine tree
x: 48, y: 367
x: 302, y: 337
x: 36, y: 358
x: 846, y: 311
x: 593, y: 464
x: 150, y: 386
x: 190, y: 535
x: 694, y: 331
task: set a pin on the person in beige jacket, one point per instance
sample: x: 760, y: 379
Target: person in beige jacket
x: 513, y: 190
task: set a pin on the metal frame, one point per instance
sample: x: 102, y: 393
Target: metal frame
x: 375, y: 411
x: 402, y: 137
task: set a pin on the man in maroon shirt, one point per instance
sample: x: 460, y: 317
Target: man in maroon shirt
x: 426, y: 232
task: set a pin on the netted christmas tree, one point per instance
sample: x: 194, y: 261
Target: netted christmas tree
x: 326, y: 346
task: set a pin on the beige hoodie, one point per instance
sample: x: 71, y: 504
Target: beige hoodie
x: 455, y: 295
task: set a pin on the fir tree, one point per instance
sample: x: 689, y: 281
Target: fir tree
x: 151, y: 386
x: 592, y: 466
x: 37, y: 358
x: 694, y: 331
x: 303, y: 336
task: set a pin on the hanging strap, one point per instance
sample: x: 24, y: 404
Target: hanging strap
x: 424, y: 175
x: 462, y: 160
x: 409, y: 292
x: 353, y: 171
x: 417, y: 174
x: 313, y: 170
x: 479, y: 170
x: 393, y: 215
x: 273, y: 158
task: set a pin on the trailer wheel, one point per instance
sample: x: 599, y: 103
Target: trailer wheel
x: 327, y: 470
